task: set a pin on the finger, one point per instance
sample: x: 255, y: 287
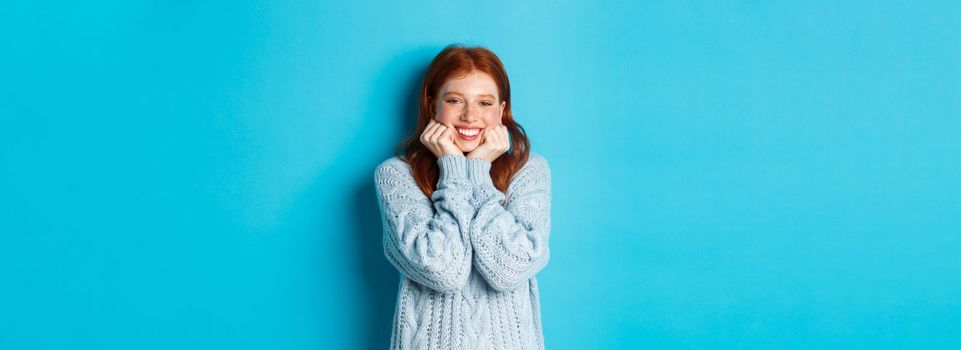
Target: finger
x: 449, y: 126
x: 445, y: 133
x: 424, y: 134
x: 507, y: 142
x: 439, y: 132
x: 428, y: 135
x: 488, y: 134
x: 480, y: 136
x: 495, y: 135
x: 505, y: 137
x: 450, y: 132
x: 430, y: 123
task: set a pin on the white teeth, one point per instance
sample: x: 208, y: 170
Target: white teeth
x: 468, y: 132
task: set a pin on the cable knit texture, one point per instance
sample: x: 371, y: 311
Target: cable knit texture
x: 467, y: 255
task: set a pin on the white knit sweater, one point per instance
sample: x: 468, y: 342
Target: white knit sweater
x: 467, y: 258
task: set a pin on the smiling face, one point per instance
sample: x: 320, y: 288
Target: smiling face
x: 469, y: 103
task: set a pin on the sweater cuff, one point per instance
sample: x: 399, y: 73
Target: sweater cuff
x: 452, y: 166
x: 479, y: 172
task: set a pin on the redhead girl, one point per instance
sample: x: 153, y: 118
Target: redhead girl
x: 465, y: 206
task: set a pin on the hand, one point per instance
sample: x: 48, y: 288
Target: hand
x: 495, y: 142
x: 439, y: 139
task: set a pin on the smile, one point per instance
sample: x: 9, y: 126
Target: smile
x: 468, y: 134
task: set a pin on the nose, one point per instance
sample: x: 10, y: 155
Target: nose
x: 470, y: 114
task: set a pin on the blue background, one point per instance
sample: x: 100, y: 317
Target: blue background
x: 726, y: 175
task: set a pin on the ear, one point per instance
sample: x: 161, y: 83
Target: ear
x: 503, y: 105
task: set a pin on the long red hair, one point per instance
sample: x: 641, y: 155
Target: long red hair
x: 456, y: 61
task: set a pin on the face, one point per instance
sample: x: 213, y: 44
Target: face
x: 470, y: 104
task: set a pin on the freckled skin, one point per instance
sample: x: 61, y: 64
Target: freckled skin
x: 464, y: 101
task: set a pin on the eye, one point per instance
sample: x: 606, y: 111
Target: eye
x: 487, y: 103
x: 452, y: 101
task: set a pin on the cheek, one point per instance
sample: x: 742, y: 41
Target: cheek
x: 445, y: 113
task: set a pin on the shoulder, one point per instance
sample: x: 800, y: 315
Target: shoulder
x: 393, y: 162
x: 538, y: 160
x: 536, y: 170
x: 536, y: 163
x: 393, y: 167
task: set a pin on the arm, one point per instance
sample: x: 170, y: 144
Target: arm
x: 511, y: 242
x: 427, y: 239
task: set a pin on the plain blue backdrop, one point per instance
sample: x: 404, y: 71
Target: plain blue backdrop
x: 198, y: 175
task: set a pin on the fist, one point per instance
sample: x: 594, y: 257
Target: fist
x: 495, y: 142
x: 439, y: 139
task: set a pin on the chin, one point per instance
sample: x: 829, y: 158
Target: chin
x: 466, y: 149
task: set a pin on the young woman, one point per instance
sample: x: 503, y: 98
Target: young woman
x: 466, y: 212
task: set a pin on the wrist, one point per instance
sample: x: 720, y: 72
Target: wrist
x: 479, y: 157
x: 452, y: 166
x: 479, y: 171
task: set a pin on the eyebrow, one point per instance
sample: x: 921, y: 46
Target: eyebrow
x: 460, y: 94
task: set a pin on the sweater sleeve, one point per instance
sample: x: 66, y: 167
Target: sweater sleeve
x: 427, y: 239
x: 510, y: 242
